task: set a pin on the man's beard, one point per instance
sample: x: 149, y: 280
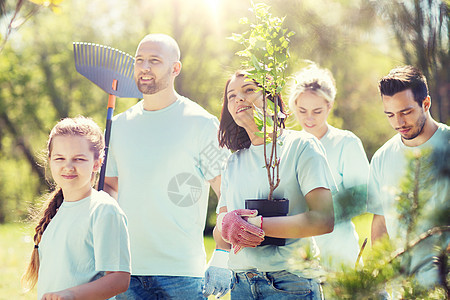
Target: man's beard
x: 420, y: 124
x: 155, y: 86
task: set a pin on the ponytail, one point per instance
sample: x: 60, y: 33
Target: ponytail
x: 30, y: 277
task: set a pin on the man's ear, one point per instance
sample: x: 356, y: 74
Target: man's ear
x: 176, y: 68
x: 426, y: 103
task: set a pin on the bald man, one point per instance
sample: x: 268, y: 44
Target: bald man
x: 163, y: 158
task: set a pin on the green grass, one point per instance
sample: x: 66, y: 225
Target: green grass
x: 363, y: 225
x: 15, y: 249
x: 16, y: 246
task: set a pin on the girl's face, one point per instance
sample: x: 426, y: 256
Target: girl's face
x: 72, y: 164
x: 312, y: 112
x: 242, y: 95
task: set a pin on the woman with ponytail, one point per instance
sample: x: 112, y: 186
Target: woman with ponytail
x: 81, y: 241
x: 312, y: 99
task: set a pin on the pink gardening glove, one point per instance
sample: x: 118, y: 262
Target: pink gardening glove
x: 238, y: 232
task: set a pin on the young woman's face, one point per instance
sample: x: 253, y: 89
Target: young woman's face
x: 242, y: 96
x: 312, y: 112
x: 72, y: 164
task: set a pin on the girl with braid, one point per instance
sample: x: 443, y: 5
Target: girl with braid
x: 81, y: 243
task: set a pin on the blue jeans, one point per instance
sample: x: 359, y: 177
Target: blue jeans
x: 163, y: 287
x: 274, y: 285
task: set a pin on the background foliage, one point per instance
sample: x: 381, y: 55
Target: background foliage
x: 358, y: 40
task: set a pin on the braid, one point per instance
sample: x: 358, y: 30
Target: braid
x: 30, y: 277
x: 56, y: 200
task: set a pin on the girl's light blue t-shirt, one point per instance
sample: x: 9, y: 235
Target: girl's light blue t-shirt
x: 84, y: 238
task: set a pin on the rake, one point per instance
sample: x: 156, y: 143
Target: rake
x: 112, y: 71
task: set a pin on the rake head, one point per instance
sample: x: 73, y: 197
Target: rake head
x: 101, y: 65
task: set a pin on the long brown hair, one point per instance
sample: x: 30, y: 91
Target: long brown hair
x: 231, y: 135
x: 79, y: 126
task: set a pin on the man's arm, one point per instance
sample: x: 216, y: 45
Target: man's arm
x: 215, y: 184
x: 111, y: 186
x: 378, y: 228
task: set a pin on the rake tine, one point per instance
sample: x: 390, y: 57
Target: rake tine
x: 96, y: 55
x: 119, y: 61
x: 102, y: 56
x: 129, y: 66
x: 92, y: 51
x: 88, y: 55
x: 105, y: 58
x: 96, y: 49
x: 115, y: 58
x: 76, y: 53
x: 131, y: 70
x: 125, y: 64
x: 80, y: 54
x: 108, y: 57
x: 122, y: 62
x: 85, y: 58
x: 111, y: 58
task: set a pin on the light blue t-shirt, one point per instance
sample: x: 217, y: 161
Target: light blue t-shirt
x: 163, y: 160
x: 387, y: 168
x: 350, y: 168
x: 84, y: 238
x: 303, y: 168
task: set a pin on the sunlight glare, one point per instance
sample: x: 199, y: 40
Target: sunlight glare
x: 213, y: 5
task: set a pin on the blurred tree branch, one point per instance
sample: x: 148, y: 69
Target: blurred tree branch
x: 17, y: 20
x: 422, y: 31
x: 424, y: 233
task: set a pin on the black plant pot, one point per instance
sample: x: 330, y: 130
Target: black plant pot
x: 270, y: 208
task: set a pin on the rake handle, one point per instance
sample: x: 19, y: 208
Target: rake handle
x: 109, y: 115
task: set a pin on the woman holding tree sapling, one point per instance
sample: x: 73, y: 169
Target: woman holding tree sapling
x: 264, y: 272
x: 295, y: 168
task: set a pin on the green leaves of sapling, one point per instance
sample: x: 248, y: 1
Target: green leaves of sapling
x: 266, y: 52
